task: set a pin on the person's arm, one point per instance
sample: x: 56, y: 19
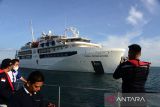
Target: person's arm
x: 23, y: 79
x: 118, y: 72
x: 19, y: 76
x: 45, y: 103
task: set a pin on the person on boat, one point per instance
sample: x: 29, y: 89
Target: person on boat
x: 15, y: 74
x: 29, y: 95
x: 6, y: 86
x: 133, y: 72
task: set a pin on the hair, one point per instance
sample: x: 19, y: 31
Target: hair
x: 135, y: 48
x: 35, y: 76
x: 14, y: 61
x: 6, y: 63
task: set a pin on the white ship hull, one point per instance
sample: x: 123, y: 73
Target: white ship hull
x: 63, y: 53
x: 84, y: 61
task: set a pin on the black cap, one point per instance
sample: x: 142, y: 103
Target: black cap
x: 6, y: 63
x: 135, y: 48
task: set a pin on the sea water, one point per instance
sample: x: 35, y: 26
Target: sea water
x: 80, y: 89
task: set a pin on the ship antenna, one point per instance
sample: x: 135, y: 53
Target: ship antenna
x: 65, y: 26
x: 32, y: 32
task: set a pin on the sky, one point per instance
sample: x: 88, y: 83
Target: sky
x: 112, y: 23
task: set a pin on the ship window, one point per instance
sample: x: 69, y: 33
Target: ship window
x: 60, y: 54
x: 48, y: 50
x: 25, y: 52
x: 47, y: 44
x: 66, y: 46
x: 51, y: 49
x: 25, y: 57
x: 42, y: 45
x: 53, y: 43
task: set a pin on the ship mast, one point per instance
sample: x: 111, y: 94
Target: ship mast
x: 32, y: 32
x: 65, y: 26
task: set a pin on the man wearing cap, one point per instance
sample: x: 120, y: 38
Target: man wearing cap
x: 133, y: 72
x: 6, y: 86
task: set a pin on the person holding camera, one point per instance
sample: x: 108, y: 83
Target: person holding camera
x: 133, y: 71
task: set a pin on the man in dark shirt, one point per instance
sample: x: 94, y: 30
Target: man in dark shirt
x: 28, y: 95
x: 133, y: 72
x: 6, y: 86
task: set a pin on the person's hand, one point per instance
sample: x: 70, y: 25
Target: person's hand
x: 51, y: 105
x: 123, y: 59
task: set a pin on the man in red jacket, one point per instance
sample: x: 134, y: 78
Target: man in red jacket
x: 6, y: 86
x: 133, y: 72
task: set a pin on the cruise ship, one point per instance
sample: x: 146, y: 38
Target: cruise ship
x: 68, y: 53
